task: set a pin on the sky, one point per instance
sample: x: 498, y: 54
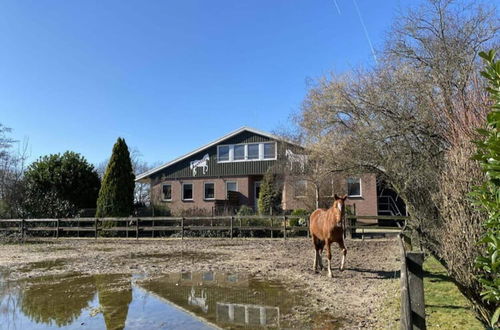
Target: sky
x: 171, y: 76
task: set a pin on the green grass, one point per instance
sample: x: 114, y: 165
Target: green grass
x: 445, y: 306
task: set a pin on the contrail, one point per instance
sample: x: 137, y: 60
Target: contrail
x: 364, y: 29
x: 337, y: 6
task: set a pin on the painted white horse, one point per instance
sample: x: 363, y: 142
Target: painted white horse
x: 200, y: 301
x: 296, y: 158
x: 203, y: 163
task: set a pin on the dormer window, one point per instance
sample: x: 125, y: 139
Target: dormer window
x: 246, y: 152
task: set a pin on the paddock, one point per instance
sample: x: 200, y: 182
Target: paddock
x: 353, y: 298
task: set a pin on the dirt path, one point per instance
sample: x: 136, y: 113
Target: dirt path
x: 357, y: 295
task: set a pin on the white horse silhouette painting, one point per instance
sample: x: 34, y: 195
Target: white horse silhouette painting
x: 203, y: 163
x: 296, y: 158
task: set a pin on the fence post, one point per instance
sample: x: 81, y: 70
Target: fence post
x: 405, y: 299
x: 414, y: 261
x: 95, y: 220
x: 57, y: 228
x: 137, y: 229
x: 182, y: 228
x: 153, y: 233
x: 271, y: 227
x: 284, y: 227
x: 307, y: 226
x: 126, y: 226
x: 231, y: 227
x: 23, y: 229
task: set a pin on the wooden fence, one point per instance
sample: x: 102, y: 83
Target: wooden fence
x: 412, y: 287
x: 276, y: 226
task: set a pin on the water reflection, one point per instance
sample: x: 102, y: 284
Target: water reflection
x: 200, y: 301
x: 125, y: 302
x: 228, y: 300
x: 56, y: 301
x: 115, y: 295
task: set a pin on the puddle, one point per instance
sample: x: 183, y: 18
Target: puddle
x: 43, y: 265
x: 227, y: 300
x: 188, y: 300
x: 186, y: 256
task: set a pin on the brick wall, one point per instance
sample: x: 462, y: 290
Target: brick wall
x: 366, y: 204
x: 245, y: 186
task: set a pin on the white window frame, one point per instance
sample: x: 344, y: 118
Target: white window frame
x: 192, y: 192
x: 258, y: 159
x: 296, y: 186
x: 275, y: 151
x: 235, y: 182
x: 229, y: 153
x: 163, y: 195
x: 204, y: 191
x: 360, y: 187
x: 245, y: 152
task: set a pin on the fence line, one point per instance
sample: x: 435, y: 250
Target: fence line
x: 273, y: 224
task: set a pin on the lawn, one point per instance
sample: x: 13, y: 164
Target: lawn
x: 445, y: 306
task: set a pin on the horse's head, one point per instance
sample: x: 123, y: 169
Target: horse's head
x: 339, y: 203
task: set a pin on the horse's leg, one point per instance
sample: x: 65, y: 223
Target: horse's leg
x: 344, y: 253
x: 316, y: 253
x: 320, y: 258
x: 329, y: 257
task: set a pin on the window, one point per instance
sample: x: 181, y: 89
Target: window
x: 209, y: 190
x: 239, y: 152
x: 223, y: 153
x: 246, y: 152
x: 231, y: 186
x: 354, y: 187
x: 269, y: 150
x: 167, y: 192
x: 187, y: 191
x: 300, y: 188
x: 253, y: 151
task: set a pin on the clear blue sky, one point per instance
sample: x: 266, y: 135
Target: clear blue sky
x: 169, y: 76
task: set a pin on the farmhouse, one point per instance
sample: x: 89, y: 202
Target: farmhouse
x: 228, y: 172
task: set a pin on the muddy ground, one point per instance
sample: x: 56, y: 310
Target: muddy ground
x: 357, y: 295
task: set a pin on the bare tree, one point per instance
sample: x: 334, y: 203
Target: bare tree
x: 12, y: 166
x: 410, y: 119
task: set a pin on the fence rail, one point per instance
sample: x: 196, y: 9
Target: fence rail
x: 276, y: 225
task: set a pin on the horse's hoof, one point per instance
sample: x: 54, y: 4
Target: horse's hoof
x: 341, y: 269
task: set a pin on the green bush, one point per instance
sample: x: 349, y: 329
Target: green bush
x: 245, y: 210
x: 487, y: 196
x: 60, y: 185
x: 303, y: 215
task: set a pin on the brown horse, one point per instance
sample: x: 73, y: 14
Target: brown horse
x: 326, y: 228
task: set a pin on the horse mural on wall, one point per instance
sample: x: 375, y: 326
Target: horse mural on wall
x: 203, y: 163
x: 326, y: 227
x: 296, y: 158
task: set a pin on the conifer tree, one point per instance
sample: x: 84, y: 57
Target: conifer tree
x: 116, y: 196
x: 270, y: 193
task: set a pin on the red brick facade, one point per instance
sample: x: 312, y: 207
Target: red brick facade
x: 366, y: 204
x: 245, y: 187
